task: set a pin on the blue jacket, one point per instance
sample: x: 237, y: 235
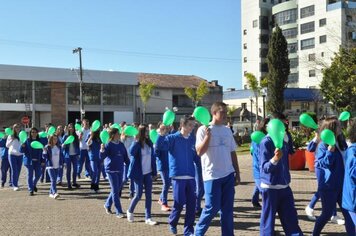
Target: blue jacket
x: 269, y: 173
x: 161, y: 160
x: 329, y: 168
x: 94, y: 150
x: 48, y: 156
x: 30, y: 154
x: 255, y: 160
x: 66, y: 147
x: 4, y: 151
x: 349, y: 188
x: 181, y: 153
x: 115, y: 155
x: 135, y: 167
x: 312, y: 146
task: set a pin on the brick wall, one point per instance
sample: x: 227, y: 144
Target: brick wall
x: 58, y: 100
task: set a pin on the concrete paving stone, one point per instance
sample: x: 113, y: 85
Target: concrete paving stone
x: 81, y: 212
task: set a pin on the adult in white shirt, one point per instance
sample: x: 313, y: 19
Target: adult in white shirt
x: 216, y: 147
x: 15, y: 156
x: 84, y: 156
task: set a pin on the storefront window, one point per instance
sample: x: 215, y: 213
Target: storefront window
x: 121, y: 95
x: 15, y: 91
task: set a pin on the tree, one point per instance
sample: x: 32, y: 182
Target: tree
x: 279, y: 68
x: 145, y: 95
x: 253, y: 85
x: 230, y: 111
x: 197, y: 94
x: 339, y: 81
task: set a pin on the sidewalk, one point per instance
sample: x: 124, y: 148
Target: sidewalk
x: 80, y: 212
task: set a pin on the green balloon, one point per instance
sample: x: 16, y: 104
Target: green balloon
x: 307, y: 121
x: 251, y: 149
x: 43, y: 134
x: 104, y: 137
x: 51, y: 130
x: 22, y: 136
x: 78, y: 127
x: 257, y: 136
x: 69, y: 140
x: 95, y: 126
x: 2, y: 135
x: 8, y: 131
x: 345, y: 115
x: 168, y: 117
x: 202, y: 115
x: 153, y: 136
x: 116, y: 126
x: 328, y: 137
x: 276, y: 131
x: 130, y: 131
x: 36, y: 145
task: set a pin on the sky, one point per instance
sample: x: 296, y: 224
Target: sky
x: 183, y: 37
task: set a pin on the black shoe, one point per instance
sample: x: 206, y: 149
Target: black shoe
x: 59, y: 183
x: 35, y: 189
x: 78, y: 176
x: 2, y: 185
x: 256, y: 205
x: 76, y: 185
x: 69, y: 187
x: 31, y: 193
x: 108, y: 210
x: 198, y: 212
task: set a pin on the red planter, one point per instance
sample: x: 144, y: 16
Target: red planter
x: 297, y: 160
x: 310, y: 158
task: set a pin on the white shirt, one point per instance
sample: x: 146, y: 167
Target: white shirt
x: 216, y: 161
x: 14, y: 146
x: 55, y: 157
x: 146, y: 159
x: 83, y: 145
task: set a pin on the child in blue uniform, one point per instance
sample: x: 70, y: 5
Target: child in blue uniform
x: 141, y: 169
x: 115, y: 155
x: 94, y: 143
x: 329, y: 168
x: 53, y: 155
x: 349, y: 190
x: 5, y: 165
x: 277, y: 196
x: 15, y: 155
x: 32, y: 160
x: 182, y: 155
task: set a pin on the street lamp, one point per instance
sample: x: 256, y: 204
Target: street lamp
x: 251, y: 100
x: 82, y: 111
x: 264, y: 95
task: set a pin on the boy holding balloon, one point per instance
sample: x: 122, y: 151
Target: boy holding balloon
x: 277, y: 196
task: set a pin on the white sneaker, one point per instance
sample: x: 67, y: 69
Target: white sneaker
x: 337, y: 220
x: 310, y: 213
x: 130, y: 216
x: 16, y: 189
x: 120, y: 215
x: 51, y: 195
x: 56, y: 195
x: 150, y: 222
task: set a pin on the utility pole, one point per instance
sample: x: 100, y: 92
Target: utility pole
x: 82, y: 111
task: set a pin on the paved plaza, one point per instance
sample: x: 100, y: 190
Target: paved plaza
x: 81, y: 212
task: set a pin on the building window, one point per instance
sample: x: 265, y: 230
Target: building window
x: 91, y: 94
x: 181, y: 101
x: 293, y: 62
x: 264, y: 67
x: 307, y: 43
x: 121, y: 95
x: 311, y: 57
x: 264, y: 38
x: 292, y: 47
x: 245, y: 32
x: 245, y: 59
x: 16, y: 91
x: 288, y: 105
x: 322, y: 54
x: 255, y: 23
x: 264, y: 22
x: 307, y: 27
x: 43, y: 92
x: 290, y: 33
x: 307, y: 11
x: 322, y: 22
x: 286, y: 17
x: 311, y: 73
x: 293, y: 78
x: 322, y: 39
x: 263, y: 52
x: 245, y: 45
x: 264, y: 0
x: 156, y: 93
x: 304, y: 106
x: 352, y: 36
x: 272, y: 1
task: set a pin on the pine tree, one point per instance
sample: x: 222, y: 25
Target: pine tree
x: 279, y: 68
